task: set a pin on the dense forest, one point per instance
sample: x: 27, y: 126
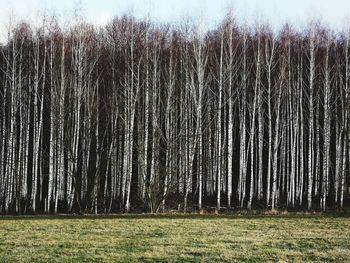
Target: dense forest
x: 139, y: 116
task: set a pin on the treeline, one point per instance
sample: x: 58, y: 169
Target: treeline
x: 143, y: 117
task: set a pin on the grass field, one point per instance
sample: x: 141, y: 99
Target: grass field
x: 178, y: 238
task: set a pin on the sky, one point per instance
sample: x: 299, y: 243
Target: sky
x: 333, y: 13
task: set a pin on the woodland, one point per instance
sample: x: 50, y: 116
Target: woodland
x: 138, y: 116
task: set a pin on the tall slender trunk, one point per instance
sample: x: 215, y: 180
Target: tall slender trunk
x: 311, y: 116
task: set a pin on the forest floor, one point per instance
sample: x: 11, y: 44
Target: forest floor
x: 175, y: 238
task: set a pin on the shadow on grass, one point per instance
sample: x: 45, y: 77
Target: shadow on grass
x: 233, y: 215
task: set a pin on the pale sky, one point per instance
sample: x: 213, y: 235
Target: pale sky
x: 332, y: 12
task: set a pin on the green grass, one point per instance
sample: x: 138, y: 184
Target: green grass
x: 178, y: 238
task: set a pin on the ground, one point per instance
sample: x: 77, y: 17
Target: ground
x: 175, y: 238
